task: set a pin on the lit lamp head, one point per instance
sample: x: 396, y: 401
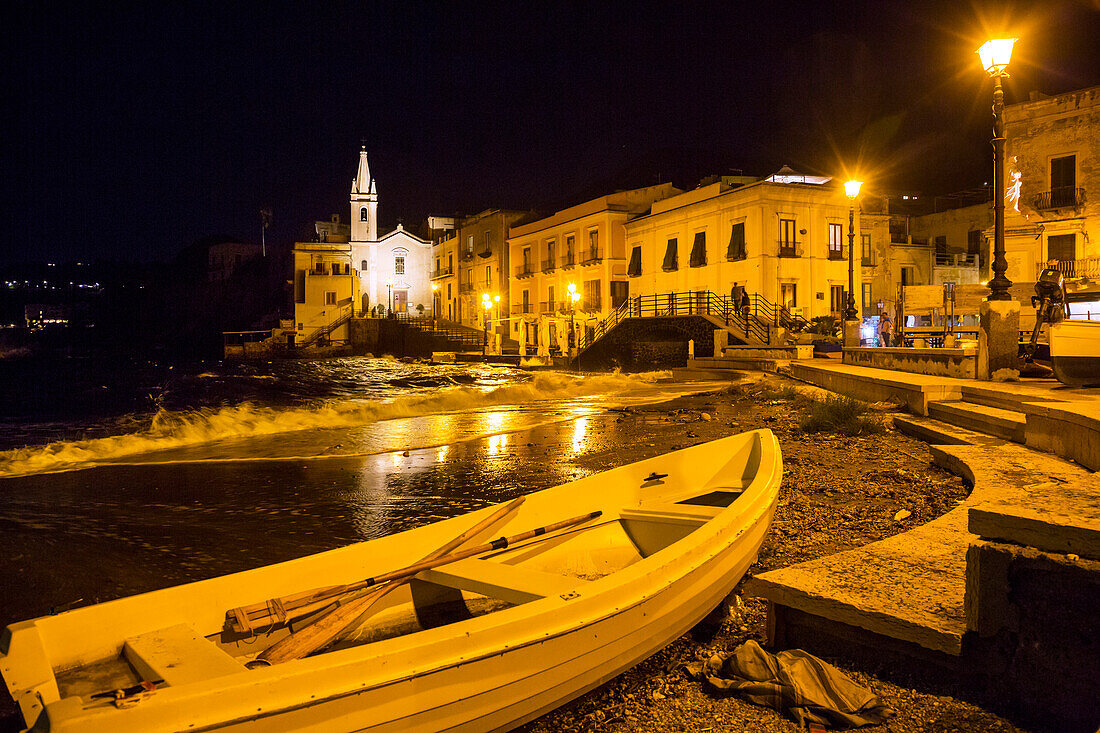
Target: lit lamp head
x: 389, y: 282
x: 486, y: 302
x: 435, y: 286
x: 995, y: 55
x: 496, y: 298
x: 851, y: 188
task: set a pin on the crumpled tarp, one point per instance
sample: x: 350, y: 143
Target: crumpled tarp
x: 795, y: 682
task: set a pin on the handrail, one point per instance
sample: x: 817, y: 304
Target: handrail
x: 325, y: 330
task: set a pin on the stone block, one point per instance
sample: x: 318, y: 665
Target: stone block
x: 998, y: 339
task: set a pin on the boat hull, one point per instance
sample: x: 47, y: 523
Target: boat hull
x: 492, y: 672
x: 1075, y: 352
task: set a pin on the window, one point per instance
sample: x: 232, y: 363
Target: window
x: 470, y: 244
x: 974, y: 241
x: 941, y: 245
x: 1062, y: 247
x: 868, y: 255
x: 619, y: 291
x: 836, y: 298
x: 526, y: 259
x: 450, y: 263
x: 399, y: 265
x: 836, y: 241
x: 330, y: 297
x: 437, y: 265
x: 489, y: 275
x: 736, y: 249
x: 788, y: 295
x: 569, y: 240
x: 594, y: 244
x: 670, y: 262
x: 1063, y: 172
x: 363, y: 214
x: 592, y: 300
x: 363, y: 266
x: 908, y: 276
x: 448, y: 291
x: 699, y: 250
x: 867, y: 298
x: 786, y: 232
x: 526, y: 302
x: 634, y: 269
x: 550, y: 298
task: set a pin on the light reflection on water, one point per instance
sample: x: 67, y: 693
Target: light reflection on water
x: 580, y: 425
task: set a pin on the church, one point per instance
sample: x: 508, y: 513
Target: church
x: 352, y: 272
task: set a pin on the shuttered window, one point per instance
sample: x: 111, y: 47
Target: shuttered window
x: 699, y: 250
x: 635, y: 267
x: 671, y: 261
x: 736, y: 250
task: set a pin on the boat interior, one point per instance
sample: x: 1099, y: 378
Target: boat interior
x: 645, y: 508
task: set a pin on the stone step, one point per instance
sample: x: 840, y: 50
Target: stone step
x: 936, y: 432
x: 1002, y: 398
x: 1007, y: 424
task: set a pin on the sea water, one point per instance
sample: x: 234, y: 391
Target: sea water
x: 121, y: 478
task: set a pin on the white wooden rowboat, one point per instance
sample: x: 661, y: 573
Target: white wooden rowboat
x: 540, y: 622
x: 1075, y: 352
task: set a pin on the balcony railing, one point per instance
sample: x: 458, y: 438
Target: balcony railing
x: 1057, y: 198
x: 836, y: 254
x: 548, y: 306
x: 443, y: 272
x: 525, y: 270
x: 568, y: 261
x: 959, y: 259
x: 523, y: 307
x: 789, y: 249
x: 592, y: 257
x: 466, y: 287
x: 549, y: 265
x: 592, y: 304
x: 867, y: 262
x: 1088, y: 267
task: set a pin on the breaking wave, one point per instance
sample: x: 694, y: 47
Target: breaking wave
x: 178, y: 429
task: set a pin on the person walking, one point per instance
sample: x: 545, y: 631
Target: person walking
x: 746, y: 304
x: 885, y: 330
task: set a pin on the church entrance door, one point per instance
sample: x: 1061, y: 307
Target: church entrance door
x: 400, y: 301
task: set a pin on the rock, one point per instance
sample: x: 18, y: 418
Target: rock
x: 657, y: 695
x: 405, y: 453
x: 706, y: 416
x: 903, y: 514
x: 1072, y: 557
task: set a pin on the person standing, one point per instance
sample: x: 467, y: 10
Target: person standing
x: 746, y: 304
x: 886, y: 330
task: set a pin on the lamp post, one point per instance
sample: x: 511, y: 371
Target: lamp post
x: 995, y: 55
x: 487, y: 303
x: 389, y: 297
x: 851, y: 190
x: 573, y: 296
x: 435, y: 305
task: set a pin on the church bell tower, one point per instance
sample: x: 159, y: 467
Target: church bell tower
x: 364, y: 203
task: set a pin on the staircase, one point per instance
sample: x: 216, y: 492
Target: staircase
x: 458, y: 336
x: 982, y: 411
x: 324, y: 331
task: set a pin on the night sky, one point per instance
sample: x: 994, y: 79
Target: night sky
x: 136, y: 129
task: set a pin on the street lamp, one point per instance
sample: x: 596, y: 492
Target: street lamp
x: 487, y: 304
x: 389, y: 297
x: 435, y: 304
x: 851, y: 190
x: 573, y: 296
x: 995, y: 55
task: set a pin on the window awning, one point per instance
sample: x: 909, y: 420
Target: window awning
x: 634, y: 269
x: 671, y: 262
x: 699, y: 250
x: 736, y: 249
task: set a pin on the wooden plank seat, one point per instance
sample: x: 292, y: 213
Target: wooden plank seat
x: 511, y: 583
x: 178, y: 655
x: 665, y: 513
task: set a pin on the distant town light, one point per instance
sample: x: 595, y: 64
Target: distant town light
x: 851, y: 188
x: 995, y: 54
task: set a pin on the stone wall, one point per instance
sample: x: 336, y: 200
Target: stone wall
x: 960, y: 363
x: 658, y: 354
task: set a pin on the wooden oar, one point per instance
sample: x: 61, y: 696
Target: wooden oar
x: 256, y: 616
x: 329, y: 627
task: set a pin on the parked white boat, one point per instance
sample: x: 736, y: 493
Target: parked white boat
x: 646, y: 552
x: 1075, y: 352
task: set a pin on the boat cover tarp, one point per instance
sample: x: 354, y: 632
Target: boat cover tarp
x: 795, y: 682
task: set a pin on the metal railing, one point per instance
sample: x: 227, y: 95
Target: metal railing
x: 523, y: 307
x: 549, y: 265
x: 789, y: 249
x: 466, y: 287
x: 1056, y: 198
x: 455, y: 333
x: 443, y: 272
x: 957, y: 258
x: 1087, y: 267
x: 698, y: 303
x: 836, y: 254
x: 568, y: 260
x: 548, y: 306
x: 525, y: 270
x: 592, y: 257
x: 326, y: 330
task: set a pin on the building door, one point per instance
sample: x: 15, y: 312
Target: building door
x: 836, y: 299
x: 400, y: 301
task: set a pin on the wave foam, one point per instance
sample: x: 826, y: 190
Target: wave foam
x: 179, y: 429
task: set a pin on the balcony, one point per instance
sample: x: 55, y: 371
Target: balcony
x: 1088, y: 267
x: 443, y: 272
x: 1058, y: 198
x: 466, y: 254
x: 867, y: 262
x: 466, y: 287
x: 548, y: 306
x: 790, y: 249
x: 549, y: 265
x: 591, y: 257
x: 592, y: 304
x: 523, y: 308
x: 956, y: 259
x: 567, y: 262
x: 836, y: 254
x: 525, y: 270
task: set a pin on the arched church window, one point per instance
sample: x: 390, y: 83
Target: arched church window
x: 363, y: 214
x: 364, y: 267
x: 399, y: 265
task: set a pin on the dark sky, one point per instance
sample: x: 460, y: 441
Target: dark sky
x: 135, y: 129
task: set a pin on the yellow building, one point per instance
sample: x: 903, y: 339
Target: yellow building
x: 1052, y: 206
x: 783, y: 239
x: 583, y: 246
x: 326, y: 292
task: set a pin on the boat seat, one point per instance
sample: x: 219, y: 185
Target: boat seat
x: 511, y: 583
x: 688, y: 514
x: 178, y: 655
